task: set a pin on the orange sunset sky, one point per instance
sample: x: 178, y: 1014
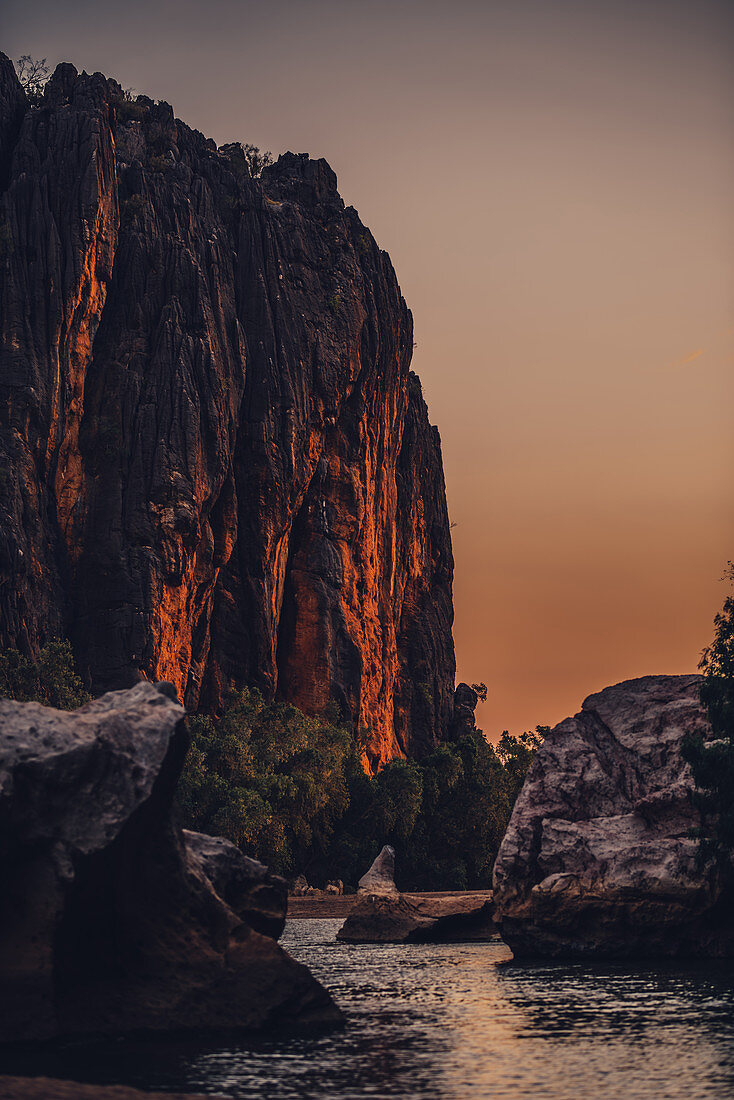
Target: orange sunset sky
x: 553, y: 181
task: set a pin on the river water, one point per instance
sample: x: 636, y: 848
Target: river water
x: 454, y: 1022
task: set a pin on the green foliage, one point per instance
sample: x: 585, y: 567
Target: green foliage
x: 291, y: 791
x: 160, y: 163
x: 246, y: 159
x: 334, y: 302
x: 712, y: 762
x: 130, y: 111
x: 51, y: 679
x: 268, y: 778
x: 516, y: 755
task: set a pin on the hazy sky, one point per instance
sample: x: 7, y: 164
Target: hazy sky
x: 553, y: 181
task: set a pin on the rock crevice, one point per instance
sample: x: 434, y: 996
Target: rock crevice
x: 220, y: 468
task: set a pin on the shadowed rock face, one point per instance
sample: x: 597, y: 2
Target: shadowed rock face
x: 598, y: 857
x: 105, y: 926
x: 218, y: 466
x: 420, y: 918
x: 256, y: 895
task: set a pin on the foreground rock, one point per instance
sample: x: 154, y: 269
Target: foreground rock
x: 598, y: 858
x: 381, y: 914
x: 420, y: 918
x: 48, y: 1088
x: 248, y: 887
x: 105, y: 927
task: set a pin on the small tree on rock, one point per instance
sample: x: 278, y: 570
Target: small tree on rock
x: 33, y: 75
x: 255, y: 159
x: 712, y: 762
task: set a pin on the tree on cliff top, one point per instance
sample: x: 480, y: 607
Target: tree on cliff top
x: 712, y: 763
x: 33, y: 76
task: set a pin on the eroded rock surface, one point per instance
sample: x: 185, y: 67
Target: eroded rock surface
x: 598, y: 857
x: 420, y: 918
x: 380, y: 879
x: 105, y: 926
x: 381, y: 914
x: 219, y: 467
x: 247, y: 886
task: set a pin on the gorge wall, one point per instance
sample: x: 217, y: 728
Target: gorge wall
x: 215, y: 464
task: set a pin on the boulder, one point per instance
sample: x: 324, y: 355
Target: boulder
x: 420, y: 918
x: 105, y: 926
x: 598, y: 858
x: 257, y: 896
x: 380, y: 879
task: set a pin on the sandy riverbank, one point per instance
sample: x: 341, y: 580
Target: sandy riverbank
x: 331, y: 906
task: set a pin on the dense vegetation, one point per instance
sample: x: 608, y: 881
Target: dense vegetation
x: 51, y: 680
x: 712, y: 762
x: 291, y: 790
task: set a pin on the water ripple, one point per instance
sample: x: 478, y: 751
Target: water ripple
x: 460, y: 1021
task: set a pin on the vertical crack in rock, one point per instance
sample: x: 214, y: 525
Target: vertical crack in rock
x: 217, y: 466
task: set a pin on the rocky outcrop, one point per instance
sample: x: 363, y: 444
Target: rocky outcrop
x: 598, y: 857
x: 420, y: 918
x: 216, y: 465
x: 250, y: 890
x: 462, y: 719
x: 381, y: 914
x: 105, y: 926
x: 380, y: 879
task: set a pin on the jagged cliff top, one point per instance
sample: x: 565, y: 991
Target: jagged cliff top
x: 222, y: 469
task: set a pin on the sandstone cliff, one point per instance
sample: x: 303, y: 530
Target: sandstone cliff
x: 216, y: 465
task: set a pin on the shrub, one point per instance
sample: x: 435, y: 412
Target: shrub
x: 712, y: 763
x: 268, y: 778
x: 160, y: 163
x: 130, y: 111
x: 255, y: 159
x: 51, y: 679
x: 33, y: 76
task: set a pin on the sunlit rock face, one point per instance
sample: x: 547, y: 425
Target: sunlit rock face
x: 217, y: 464
x: 598, y: 857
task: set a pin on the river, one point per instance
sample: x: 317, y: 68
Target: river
x: 454, y: 1022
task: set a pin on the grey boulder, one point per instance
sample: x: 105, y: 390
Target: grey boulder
x: 247, y: 886
x: 598, y: 858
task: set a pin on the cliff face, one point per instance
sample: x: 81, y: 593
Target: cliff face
x: 216, y: 465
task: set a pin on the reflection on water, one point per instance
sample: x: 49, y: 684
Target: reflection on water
x: 454, y: 1021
